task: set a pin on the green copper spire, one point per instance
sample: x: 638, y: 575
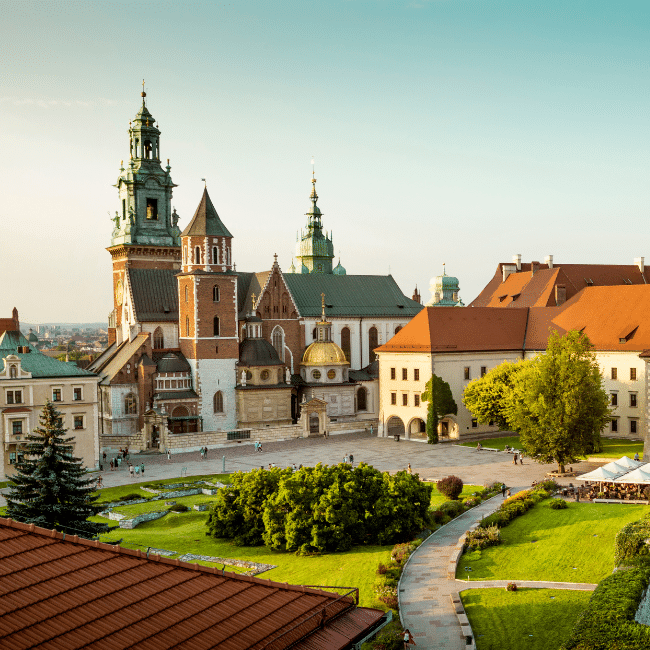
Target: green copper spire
x: 314, y: 250
x: 145, y: 188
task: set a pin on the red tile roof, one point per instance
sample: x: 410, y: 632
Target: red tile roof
x: 73, y: 593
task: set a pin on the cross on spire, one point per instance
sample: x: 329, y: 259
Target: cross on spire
x: 253, y: 296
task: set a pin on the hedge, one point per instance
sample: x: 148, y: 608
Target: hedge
x: 608, y: 622
x: 631, y: 542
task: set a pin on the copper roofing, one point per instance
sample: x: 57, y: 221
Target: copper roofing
x: 73, y: 593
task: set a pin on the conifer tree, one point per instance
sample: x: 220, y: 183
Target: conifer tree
x: 50, y: 488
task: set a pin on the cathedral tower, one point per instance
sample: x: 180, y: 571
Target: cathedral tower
x: 207, y: 300
x: 145, y: 233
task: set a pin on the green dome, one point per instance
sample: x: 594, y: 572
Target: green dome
x: 339, y: 270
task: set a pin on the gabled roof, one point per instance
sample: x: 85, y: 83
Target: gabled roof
x: 120, y: 356
x: 40, y: 365
x: 206, y: 221
x: 247, y: 285
x: 155, y: 294
x: 349, y: 295
x: 74, y: 593
x: 537, y: 289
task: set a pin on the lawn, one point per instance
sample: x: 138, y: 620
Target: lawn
x: 572, y: 545
x: 437, y: 498
x: 131, y: 511
x: 612, y: 447
x: 535, y: 619
x: 185, y: 533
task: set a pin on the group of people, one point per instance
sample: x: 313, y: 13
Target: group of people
x: 136, y: 470
x: 204, y: 453
x: 115, y: 463
x: 349, y: 459
x: 258, y: 446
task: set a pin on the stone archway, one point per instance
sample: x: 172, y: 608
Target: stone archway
x: 448, y: 428
x: 417, y: 429
x: 395, y: 426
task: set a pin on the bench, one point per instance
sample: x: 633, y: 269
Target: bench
x: 636, y: 501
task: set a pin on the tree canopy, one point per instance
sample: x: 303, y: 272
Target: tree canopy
x: 50, y: 488
x: 558, y: 403
x: 322, y: 508
x: 440, y: 403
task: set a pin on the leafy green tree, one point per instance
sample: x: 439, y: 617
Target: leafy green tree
x: 50, y: 488
x: 486, y: 398
x: 440, y: 403
x: 558, y: 403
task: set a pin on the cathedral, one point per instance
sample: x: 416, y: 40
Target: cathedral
x: 201, y: 353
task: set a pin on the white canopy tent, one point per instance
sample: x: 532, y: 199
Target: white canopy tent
x: 638, y: 475
x: 600, y: 474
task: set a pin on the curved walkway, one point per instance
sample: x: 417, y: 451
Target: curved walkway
x: 424, y: 590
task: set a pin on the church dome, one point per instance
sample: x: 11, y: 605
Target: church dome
x: 324, y: 353
x: 32, y: 338
x: 339, y: 270
x: 258, y: 352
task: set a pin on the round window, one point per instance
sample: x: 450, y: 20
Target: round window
x: 316, y: 374
x: 249, y: 375
x: 264, y: 375
x: 331, y: 374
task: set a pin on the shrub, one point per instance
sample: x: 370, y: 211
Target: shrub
x: 401, y: 552
x: 178, y: 507
x: 511, y: 587
x: 549, y: 485
x: 387, y: 595
x: 482, y: 538
x: 452, y: 508
x: 491, y: 520
x: 631, y: 542
x: 381, y: 569
x: 471, y: 502
x: 558, y: 504
x: 133, y: 497
x: 438, y: 516
x: 388, y: 638
x: 451, y: 486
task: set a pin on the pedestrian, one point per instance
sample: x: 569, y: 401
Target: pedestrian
x: 99, y: 482
x: 508, y: 493
x: 260, y: 447
x: 169, y: 454
x: 325, y: 433
x: 206, y: 453
x: 131, y: 470
x: 408, y: 639
x: 142, y: 468
x: 345, y: 459
x: 119, y: 461
x: 636, y: 456
x: 270, y: 465
x: 104, y: 456
x: 371, y: 430
x: 521, y: 459
x: 111, y: 464
x: 137, y: 470
x: 300, y: 466
x: 503, y: 490
x: 294, y: 468
x: 514, y: 459
x: 201, y: 453
x: 408, y: 469
x: 352, y: 460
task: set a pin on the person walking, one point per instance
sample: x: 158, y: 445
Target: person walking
x: 111, y: 464
x: 636, y: 456
x: 408, y: 639
x: 100, y: 482
x: 169, y: 454
x: 352, y: 460
x: 104, y: 456
x: 137, y: 470
x: 408, y: 469
x: 514, y: 459
x: 503, y: 490
x: 142, y: 468
x: 131, y: 471
x: 521, y: 458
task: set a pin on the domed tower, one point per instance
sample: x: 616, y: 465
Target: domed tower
x: 207, y: 302
x: 315, y: 250
x: 324, y: 361
x: 444, y: 291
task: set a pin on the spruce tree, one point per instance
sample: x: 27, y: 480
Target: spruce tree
x: 50, y: 488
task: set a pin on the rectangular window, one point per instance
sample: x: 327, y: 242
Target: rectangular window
x: 467, y: 373
x: 633, y: 400
x: 474, y: 423
x: 416, y: 400
x: 614, y: 426
x: 56, y: 394
x: 14, y: 397
x: 483, y: 371
x: 78, y: 421
x: 416, y: 374
x: 614, y: 399
x: 405, y: 374
x: 633, y: 426
x: 393, y: 398
x: 392, y: 373
x: 77, y: 395
x: 17, y: 427
x: 152, y: 208
x: 614, y: 373
x: 405, y: 399
x: 12, y: 458
x: 632, y: 374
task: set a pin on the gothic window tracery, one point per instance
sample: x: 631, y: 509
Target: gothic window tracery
x: 218, y: 402
x: 158, y: 339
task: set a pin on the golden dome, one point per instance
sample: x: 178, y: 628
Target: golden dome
x: 324, y: 353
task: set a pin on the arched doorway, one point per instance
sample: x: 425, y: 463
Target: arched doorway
x: 417, y: 428
x: 395, y: 426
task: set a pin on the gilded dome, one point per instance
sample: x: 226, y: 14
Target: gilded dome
x: 324, y: 353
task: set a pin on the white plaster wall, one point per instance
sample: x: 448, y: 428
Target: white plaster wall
x: 170, y: 332
x: 214, y: 375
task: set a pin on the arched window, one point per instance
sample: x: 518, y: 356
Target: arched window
x: 130, y: 405
x: 215, y: 255
x: 13, y: 372
x: 314, y: 334
x: 215, y: 326
x: 278, y: 342
x: 218, y: 402
x: 345, y: 342
x: 215, y: 293
x: 187, y: 325
x: 197, y: 255
x: 372, y: 343
x: 186, y: 293
x: 147, y: 149
x: 398, y: 328
x: 362, y: 404
x: 158, y: 339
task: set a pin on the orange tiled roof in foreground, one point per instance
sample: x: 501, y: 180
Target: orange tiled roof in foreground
x: 73, y: 593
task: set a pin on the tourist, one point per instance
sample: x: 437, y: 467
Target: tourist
x: 111, y: 464
x: 521, y: 458
x: 104, y: 456
x: 408, y: 639
x: 169, y: 454
x: 259, y: 448
x: 479, y: 446
x: 351, y: 460
x: 131, y: 470
x: 142, y: 469
x: 636, y: 456
x: 408, y: 469
x: 514, y: 459
x: 206, y: 453
x: 503, y: 490
x: 137, y: 470
x: 508, y: 493
x: 99, y: 481
x: 294, y: 468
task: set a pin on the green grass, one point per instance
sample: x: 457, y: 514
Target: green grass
x: 131, y: 511
x: 437, y: 498
x: 185, y: 533
x: 505, y: 620
x: 612, y: 447
x: 546, y: 544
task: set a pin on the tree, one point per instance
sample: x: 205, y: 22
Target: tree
x: 558, y: 403
x: 50, y: 488
x: 451, y: 486
x: 441, y: 402
x: 486, y: 398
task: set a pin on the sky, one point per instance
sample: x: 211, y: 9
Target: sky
x: 443, y: 131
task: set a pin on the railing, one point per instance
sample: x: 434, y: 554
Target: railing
x: 238, y: 434
x: 315, y: 620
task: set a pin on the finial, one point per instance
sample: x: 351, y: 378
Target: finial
x: 275, y: 258
x: 205, y: 183
x: 322, y: 298
x: 444, y: 272
x: 253, y: 296
x: 143, y: 94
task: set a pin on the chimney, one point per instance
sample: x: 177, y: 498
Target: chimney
x: 560, y: 294
x: 640, y: 262
x: 516, y: 260
x: 534, y: 267
x: 548, y: 260
x: 416, y: 295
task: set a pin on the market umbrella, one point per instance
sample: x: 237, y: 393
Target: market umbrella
x: 625, y: 461
x: 638, y: 475
x: 600, y: 474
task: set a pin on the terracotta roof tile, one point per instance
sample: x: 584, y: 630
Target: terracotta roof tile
x: 75, y: 593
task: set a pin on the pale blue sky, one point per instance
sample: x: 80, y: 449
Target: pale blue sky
x: 457, y: 131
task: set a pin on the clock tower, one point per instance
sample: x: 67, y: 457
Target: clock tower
x: 145, y: 233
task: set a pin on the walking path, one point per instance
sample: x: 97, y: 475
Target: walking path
x: 462, y: 585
